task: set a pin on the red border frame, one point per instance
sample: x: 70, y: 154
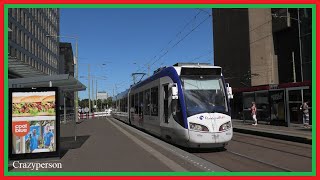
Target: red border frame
x: 147, y: 2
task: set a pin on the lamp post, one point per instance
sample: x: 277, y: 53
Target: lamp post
x: 75, y: 70
x: 91, y: 78
x: 76, y: 77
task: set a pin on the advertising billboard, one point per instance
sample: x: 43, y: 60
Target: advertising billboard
x: 34, y: 122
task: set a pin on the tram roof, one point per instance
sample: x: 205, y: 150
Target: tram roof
x: 120, y: 95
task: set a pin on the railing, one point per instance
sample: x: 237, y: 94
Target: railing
x: 93, y: 115
x: 70, y: 116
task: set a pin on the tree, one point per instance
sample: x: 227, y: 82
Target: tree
x: 83, y: 103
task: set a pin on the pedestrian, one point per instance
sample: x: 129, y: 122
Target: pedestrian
x: 305, y: 114
x: 254, y: 113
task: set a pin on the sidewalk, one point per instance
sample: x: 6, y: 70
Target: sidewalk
x: 295, y: 133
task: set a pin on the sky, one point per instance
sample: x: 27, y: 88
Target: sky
x: 118, y: 42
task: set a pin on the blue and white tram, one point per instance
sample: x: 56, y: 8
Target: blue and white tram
x: 186, y: 104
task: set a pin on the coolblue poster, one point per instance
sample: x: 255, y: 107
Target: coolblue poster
x: 33, y: 122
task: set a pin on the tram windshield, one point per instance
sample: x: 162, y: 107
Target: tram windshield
x: 204, y: 94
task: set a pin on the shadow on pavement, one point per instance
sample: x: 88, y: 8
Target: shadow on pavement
x: 67, y: 143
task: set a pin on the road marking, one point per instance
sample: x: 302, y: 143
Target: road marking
x: 168, y: 162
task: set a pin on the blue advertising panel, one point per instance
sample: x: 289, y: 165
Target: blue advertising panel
x: 34, y: 123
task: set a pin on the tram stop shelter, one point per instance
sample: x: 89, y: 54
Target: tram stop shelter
x: 65, y: 83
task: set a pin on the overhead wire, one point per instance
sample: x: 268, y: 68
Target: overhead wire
x: 166, y: 49
x: 178, y: 41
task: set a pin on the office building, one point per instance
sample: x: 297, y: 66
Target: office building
x: 31, y: 51
x: 102, y: 95
x: 266, y: 56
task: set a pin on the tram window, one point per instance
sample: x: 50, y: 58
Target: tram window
x: 126, y: 104
x: 154, y: 101
x: 147, y: 102
x: 132, y: 101
x: 136, y: 98
x: 140, y: 103
x: 122, y: 103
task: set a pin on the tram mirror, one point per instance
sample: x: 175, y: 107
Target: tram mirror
x: 174, y: 90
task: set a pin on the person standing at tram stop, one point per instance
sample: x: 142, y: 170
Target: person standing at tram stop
x: 305, y: 112
x: 254, y: 113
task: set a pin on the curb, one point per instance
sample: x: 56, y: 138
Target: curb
x: 285, y: 137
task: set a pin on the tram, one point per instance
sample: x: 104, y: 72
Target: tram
x: 186, y: 104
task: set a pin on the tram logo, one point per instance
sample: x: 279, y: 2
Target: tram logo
x: 211, y: 118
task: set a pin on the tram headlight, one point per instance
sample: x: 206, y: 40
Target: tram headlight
x: 198, y: 127
x: 225, y: 126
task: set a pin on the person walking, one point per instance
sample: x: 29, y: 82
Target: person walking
x: 254, y: 113
x: 305, y: 110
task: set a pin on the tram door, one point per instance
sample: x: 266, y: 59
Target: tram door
x: 166, y: 103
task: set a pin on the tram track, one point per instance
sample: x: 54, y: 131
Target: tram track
x: 248, y: 153
x: 297, y: 154
x: 261, y: 162
x: 279, y: 141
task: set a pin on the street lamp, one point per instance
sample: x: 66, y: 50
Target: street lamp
x: 92, y: 92
x: 76, y: 72
x: 89, y: 77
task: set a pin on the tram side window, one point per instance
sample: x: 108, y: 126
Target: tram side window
x: 140, y: 103
x: 126, y: 104
x: 147, y: 102
x: 123, y: 105
x: 118, y: 105
x: 132, y: 101
x: 136, y: 98
x: 154, y: 101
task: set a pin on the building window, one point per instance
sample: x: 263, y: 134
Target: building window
x: 18, y: 15
x: 262, y: 102
x: 12, y: 52
x: 14, y: 13
x: 22, y: 18
x: 295, y: 95
x: 18, y: 36
x: 18, y: 55
x: 22, y: 38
